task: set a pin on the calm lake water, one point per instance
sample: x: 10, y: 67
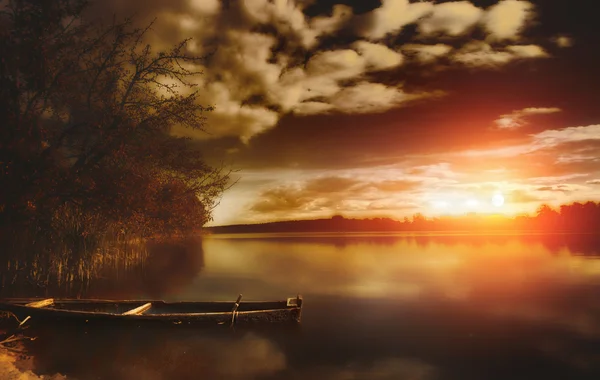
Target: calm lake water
x: 376, y: 307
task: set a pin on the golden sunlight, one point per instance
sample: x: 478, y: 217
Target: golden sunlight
x: 498, y: 200
x: 472, y: 203
x: 458, y: 204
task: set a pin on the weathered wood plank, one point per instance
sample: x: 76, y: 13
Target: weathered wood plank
x: 139, y: 310
x: 24, y: 301
x: 295, y: 302
x: 42, y: 303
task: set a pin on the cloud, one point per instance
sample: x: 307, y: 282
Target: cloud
x: 391, y: 17
x: 507, y: 19
x: 562, y: 188
x: 543, y: 141
x: 528, y: 51
x: 244, y: 58
x: 296, y: 86
x: 438, y: 170
x: 312, y: 108
x: 351, y: 63
x: 453, y: 18
x: 426, y: 53
x: 538, y: 110
x: 205, y: 7
x: 516, y: 119
x: 325, y: 70
x: 312, y: 195
x: 231, y: 117
x: 563, y: 41
x: 394, y: 186
x: 564, y: 156
x: 326, y: 25
x: 377, y: 56
x: 554, y: 137
x: 336, y: 64
x: 482, y: 54
x: 322, y: 196
x: 331, y: 184
x: 549, y: 166
x: 368, y: 97
x: 593, y: 182
x: 286, y: 16
x: 270, y: 58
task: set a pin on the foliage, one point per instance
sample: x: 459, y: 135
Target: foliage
x: 85, y: 146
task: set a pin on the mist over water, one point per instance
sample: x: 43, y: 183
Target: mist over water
x: 376, y: 307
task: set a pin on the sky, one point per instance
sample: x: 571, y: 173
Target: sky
x: 391, y: 108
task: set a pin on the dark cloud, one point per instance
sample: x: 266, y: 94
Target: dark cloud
x: 314, y: 195
x: 328, y: 195
x: 279, y: 200
x: 333, y: 86
x: 257, y: 74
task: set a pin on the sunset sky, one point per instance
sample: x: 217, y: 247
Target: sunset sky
x: 389, y: 108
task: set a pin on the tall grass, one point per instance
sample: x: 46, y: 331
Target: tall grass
x: 70, y: 249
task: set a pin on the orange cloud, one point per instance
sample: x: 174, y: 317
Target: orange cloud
x: 517, y: 118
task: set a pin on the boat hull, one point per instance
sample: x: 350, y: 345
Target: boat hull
x: 161, y: 313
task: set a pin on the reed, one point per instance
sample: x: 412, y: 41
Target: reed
x: 73, y: 249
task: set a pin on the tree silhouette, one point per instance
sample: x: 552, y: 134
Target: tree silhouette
x: 87, y: 113
x: 546, y: 217
x: 575, y: 217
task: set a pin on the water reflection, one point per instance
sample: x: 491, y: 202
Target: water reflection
x: 162, y: 354
x: 457, y: 267
x: 576, y: 244
x: 170, y: 267
x: 376, y: 307
x: 154, y: 270
x: 385, y: 369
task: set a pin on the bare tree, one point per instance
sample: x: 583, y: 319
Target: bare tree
x: 87, y: 113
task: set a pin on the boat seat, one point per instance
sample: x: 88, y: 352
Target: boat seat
x: 139, y: 310
x: 42, y: 303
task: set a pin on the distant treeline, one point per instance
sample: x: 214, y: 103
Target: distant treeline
x: 575, y: 217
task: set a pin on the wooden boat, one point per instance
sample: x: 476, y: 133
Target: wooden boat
x: 79, y: 311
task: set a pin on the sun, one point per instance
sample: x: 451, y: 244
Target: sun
x: 459, y: 204
x: 498, y: 200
